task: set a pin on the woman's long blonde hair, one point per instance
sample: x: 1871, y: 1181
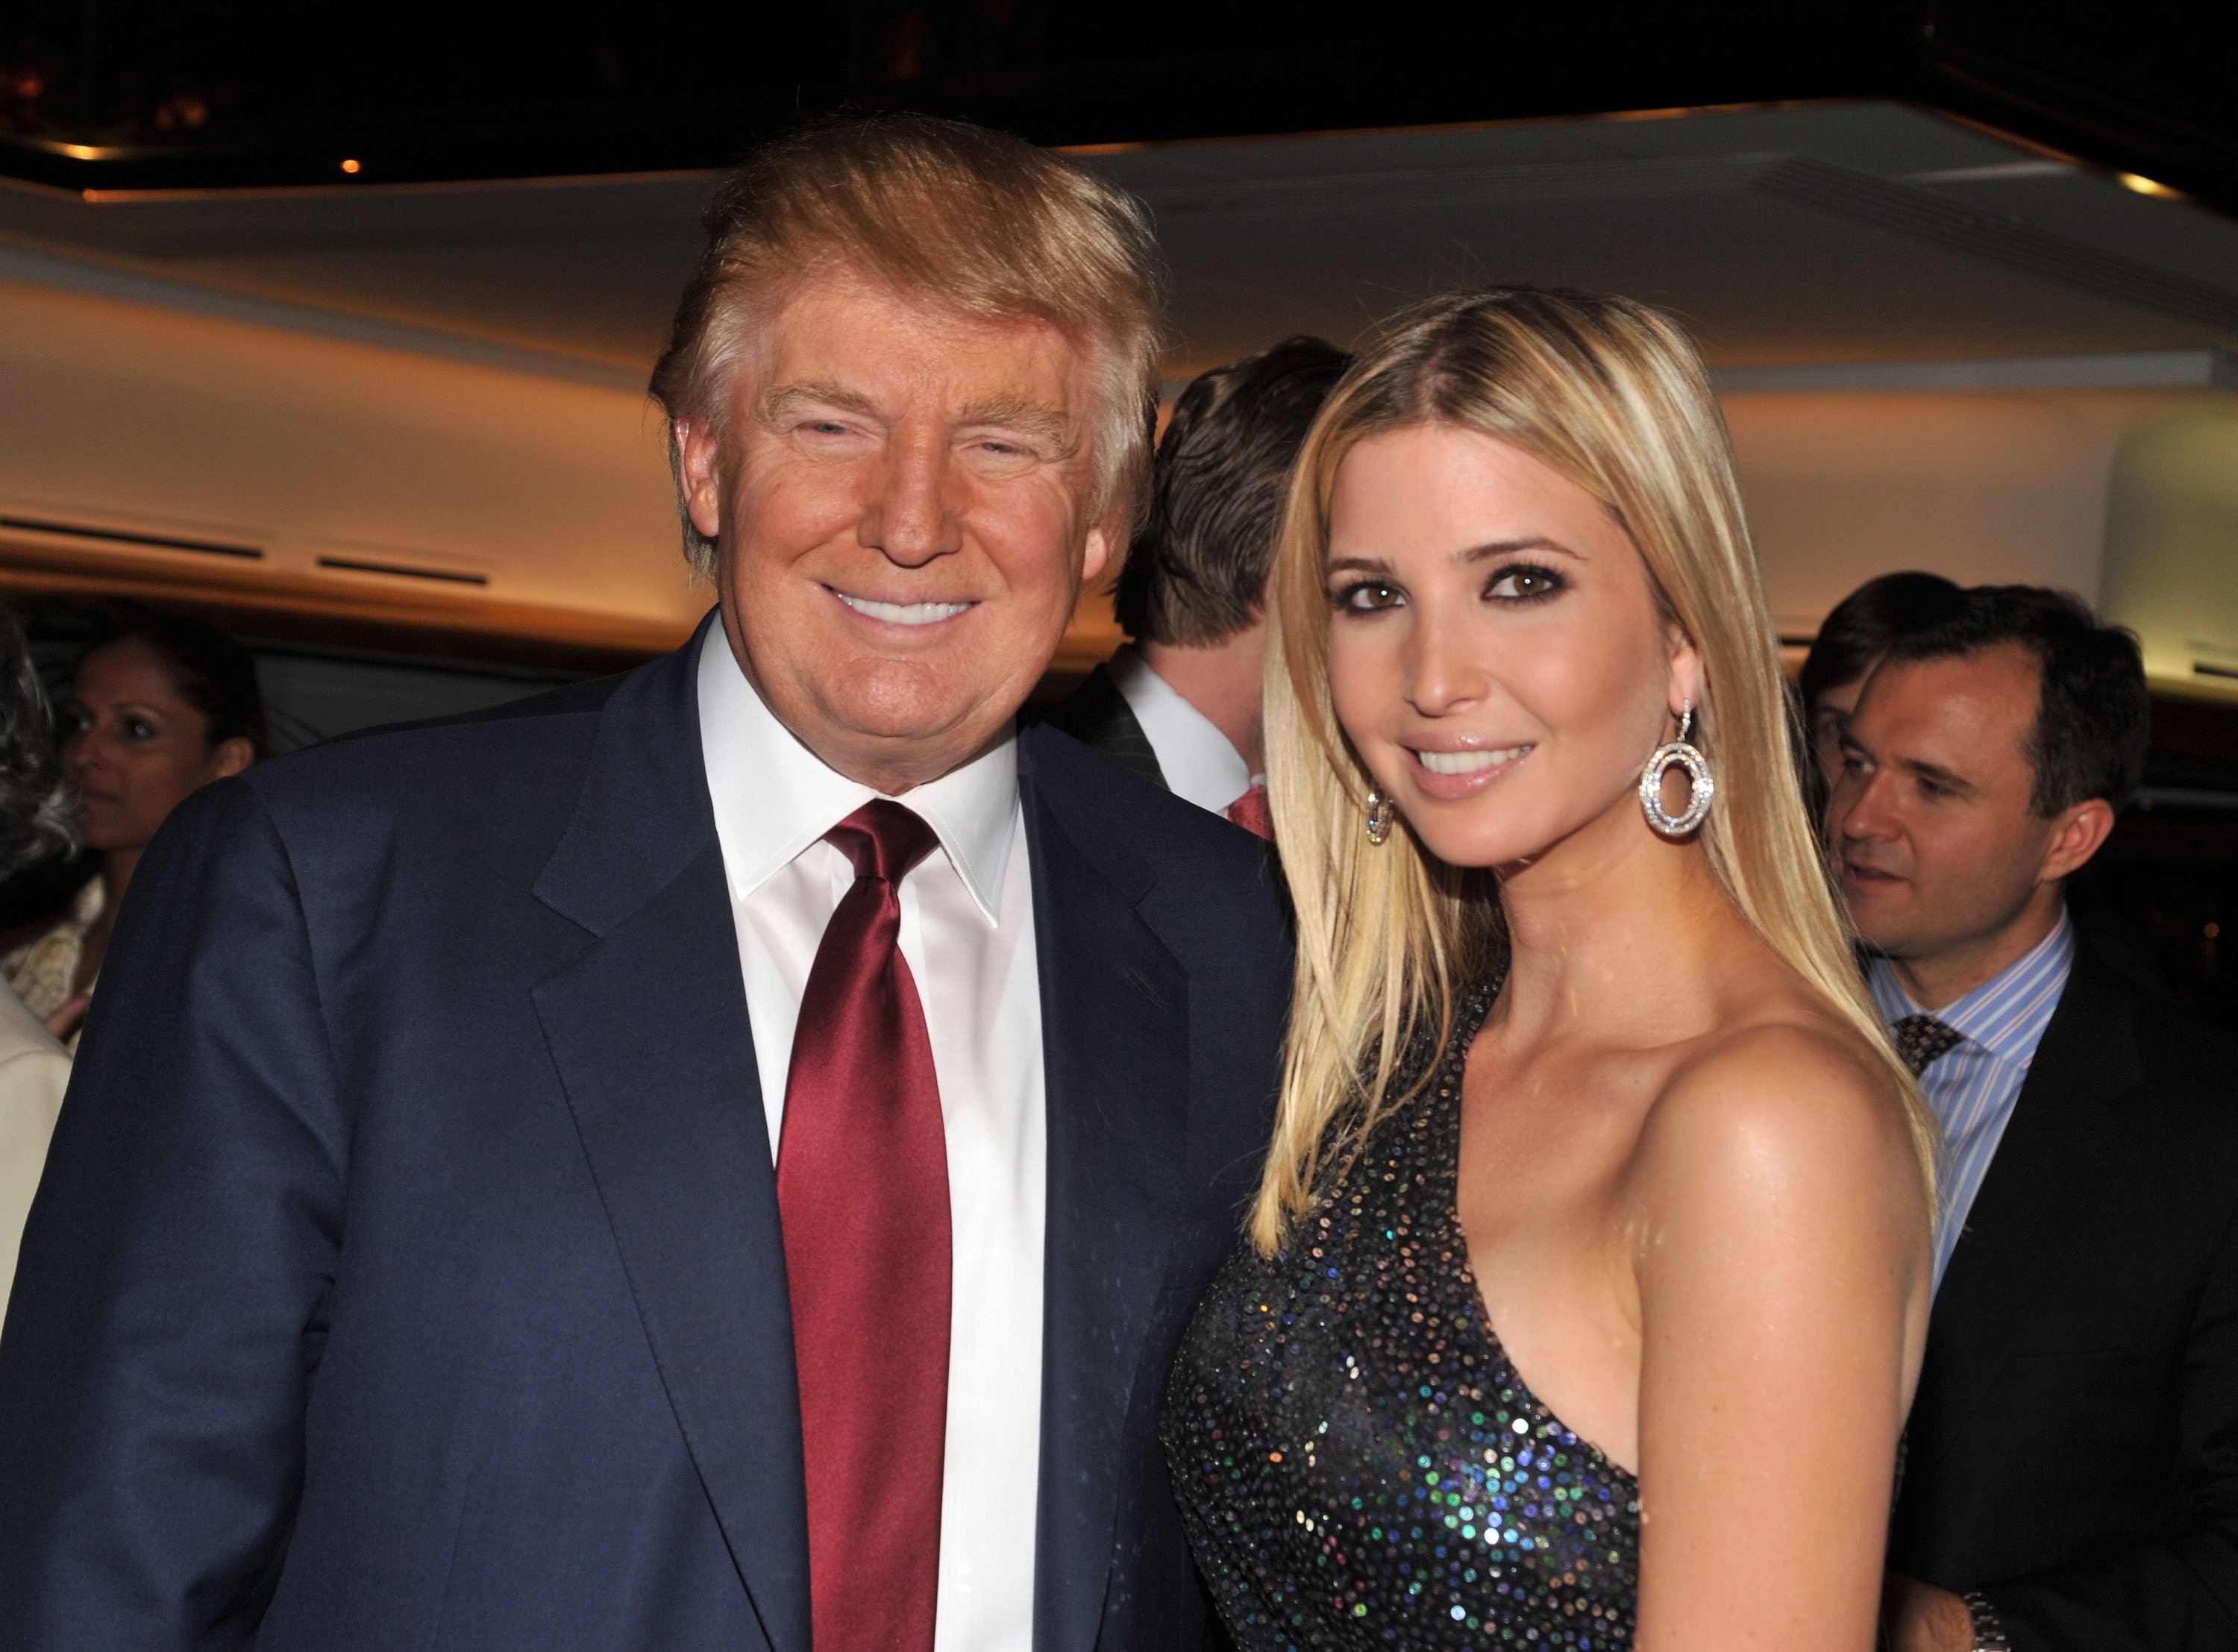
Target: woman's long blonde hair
x: 1612, y: 395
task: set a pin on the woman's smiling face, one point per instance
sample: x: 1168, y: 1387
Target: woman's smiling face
x: 1496, y: 655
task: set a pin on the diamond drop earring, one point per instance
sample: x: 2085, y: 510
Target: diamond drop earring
x: 1379, y: 816
x: 1701, y: 786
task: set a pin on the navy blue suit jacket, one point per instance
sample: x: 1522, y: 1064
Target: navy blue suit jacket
x: 407, y: 1271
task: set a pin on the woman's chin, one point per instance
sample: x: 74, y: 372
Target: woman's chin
x: 1474, y: 844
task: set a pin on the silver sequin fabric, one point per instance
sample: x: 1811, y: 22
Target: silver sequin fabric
x: 1358, y: 1464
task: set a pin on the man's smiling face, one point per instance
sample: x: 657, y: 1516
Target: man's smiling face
x: 900, y: 500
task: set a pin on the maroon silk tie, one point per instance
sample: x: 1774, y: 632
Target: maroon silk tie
x: 862, y: 1182
x: 1251, y: 813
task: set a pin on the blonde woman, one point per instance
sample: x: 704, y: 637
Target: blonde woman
x: 1585, y: 1294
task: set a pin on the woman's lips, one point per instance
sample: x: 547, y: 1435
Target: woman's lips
x: 1449, y: 775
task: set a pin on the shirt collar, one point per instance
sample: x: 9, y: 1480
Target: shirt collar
x: 773, y: 797
x: 1200, y: 764
x: 2007, y: 1014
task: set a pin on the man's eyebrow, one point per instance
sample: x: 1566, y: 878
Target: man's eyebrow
x: 784, y: 399
x: 1022, y: 414
x: 1935, y: 774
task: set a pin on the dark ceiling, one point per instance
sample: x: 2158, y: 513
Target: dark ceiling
x: 159, y: 94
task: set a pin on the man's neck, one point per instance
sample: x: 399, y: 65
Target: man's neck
x: 1943, y: 978
x: 1223, y: 682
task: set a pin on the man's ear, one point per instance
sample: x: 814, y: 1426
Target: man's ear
x: 231, y: 756
x: 1096, y: 555
x: 2078, y: 834
x: 698, y: 474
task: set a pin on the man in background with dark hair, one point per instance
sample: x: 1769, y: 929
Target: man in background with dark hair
x: 1855, y: 634
x: 1180, y: 704
x: 2072, y: 1477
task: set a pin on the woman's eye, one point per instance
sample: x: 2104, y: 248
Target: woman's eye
x: 1526, y: 585
x: 139, y: 728
x: 1369, y: 596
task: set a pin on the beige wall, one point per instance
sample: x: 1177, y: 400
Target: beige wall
x: 2006, y: 487
x: 2172, y: 546
x: 149, y: 419
x: 141, y: 415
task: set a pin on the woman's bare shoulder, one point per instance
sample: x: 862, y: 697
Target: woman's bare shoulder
x: 1789, y: 1103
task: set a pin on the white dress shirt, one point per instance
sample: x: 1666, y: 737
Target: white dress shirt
x: 1195, y: 758
x: 967, y: 934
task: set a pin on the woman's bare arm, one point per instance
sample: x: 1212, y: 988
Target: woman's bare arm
x: 1783, y: 1266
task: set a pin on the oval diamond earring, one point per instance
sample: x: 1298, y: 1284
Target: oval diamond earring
x: 1701, y: 786
x: 1380, y: 814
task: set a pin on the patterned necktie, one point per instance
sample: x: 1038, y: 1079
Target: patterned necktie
x: 1251, y: 813
x: 1921, y: 1039
x: 862, y: 1188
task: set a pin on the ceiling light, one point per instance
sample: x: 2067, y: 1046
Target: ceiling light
x: 2145, y: 186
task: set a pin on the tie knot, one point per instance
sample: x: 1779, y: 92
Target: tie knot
x: 883, y: 840
x: 1251, y: 812
x: 1921, y: 1039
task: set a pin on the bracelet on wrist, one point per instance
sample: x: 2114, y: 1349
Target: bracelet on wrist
x: 1988, y: 1628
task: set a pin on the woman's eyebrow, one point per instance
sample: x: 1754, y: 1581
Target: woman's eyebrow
x: 1505, y: 547
x: 1359, y: 564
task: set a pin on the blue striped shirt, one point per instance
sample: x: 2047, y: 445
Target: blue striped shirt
x: 1973, y: 1086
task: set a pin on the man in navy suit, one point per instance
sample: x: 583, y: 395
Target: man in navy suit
x: 712, y: 1159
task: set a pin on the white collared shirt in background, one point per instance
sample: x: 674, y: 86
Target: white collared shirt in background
x: 1199, y: 763
x: 967, y: 934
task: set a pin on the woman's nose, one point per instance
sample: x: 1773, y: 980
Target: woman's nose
x: 1446, y: 671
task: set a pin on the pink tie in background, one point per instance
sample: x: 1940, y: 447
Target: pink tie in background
x: 861, y: 1184
x: 1250, y: 812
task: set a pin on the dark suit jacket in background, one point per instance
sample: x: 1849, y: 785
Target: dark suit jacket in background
x: 408, y: 1272
x: 2074, y: 1447
x: 1096, y: 714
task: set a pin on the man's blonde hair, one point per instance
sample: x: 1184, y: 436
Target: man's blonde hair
x: 1612, y: 395
x: 966, y: 221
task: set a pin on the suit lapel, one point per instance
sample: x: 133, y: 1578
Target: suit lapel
x: 1097, y: 715
x: 1115, y: 1019
x: 648, y: 1030
x: 2053, y: 1157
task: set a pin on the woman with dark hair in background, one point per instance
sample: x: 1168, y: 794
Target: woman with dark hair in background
x: 161, y: 706
x: 35, y: 826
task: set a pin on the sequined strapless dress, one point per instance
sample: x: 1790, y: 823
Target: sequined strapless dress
x: 1357, y: 1462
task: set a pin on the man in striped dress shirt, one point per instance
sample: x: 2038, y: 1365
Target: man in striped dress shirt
x: 2072, y: 1479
